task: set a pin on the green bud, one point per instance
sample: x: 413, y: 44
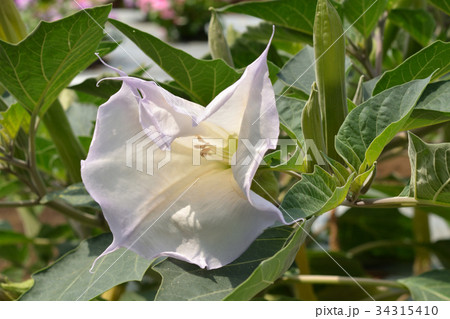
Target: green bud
x: 217, y: 43
x: 312, y: 128
x: 12, y: 28
x: 359, y: 94
x: 329, y: 52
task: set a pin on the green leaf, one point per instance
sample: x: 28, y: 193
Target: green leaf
x: 370, y: 126
x: 201, y: 79
x: 292, y: 14
x: 299, y: 71
x: 432, y: 107
x: 274, y: 267
x: 292, y: 161
x: 290, y: 112
x: 418, y: 66
x: 75, y: 195
x: 265, y: 260
x: 105, y: 90
x: 443, y: 5
x: 285, y: 39
x: 246, y: 50
x: 364, y: 14
x: 419, y: 23
x: 430, y: 286
x: 316, y: 193
x: 13, y: 119
x: 69, y: 277
x: 39, y: 67
x: 430, y: 171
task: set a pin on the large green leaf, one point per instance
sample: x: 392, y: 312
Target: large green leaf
x: 290, y: 112
x: 418, y: 66
x: 316, y: 193
x: 430, y: 286
x: 299, y: 71
x: 75, y: 195
x: 364, y: 14
x: 267, y: 258
x: 39, y: 67
x: 433, y: 106
x: 285, y: 39
x: 419, y: 23
x: 293, y: 14
x: 69, y: 277
x: 370, y: 126
x: 430, y: 171
x: 444, y: 5
x: 201, y: 79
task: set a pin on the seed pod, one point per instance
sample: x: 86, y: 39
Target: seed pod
x: 12, y: 28
x: 312, y: 129
x: 218, y: 45
x: 329, y: 52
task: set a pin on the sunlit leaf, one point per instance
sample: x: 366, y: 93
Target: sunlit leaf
x: 38, y: 68
x: 69, y: 277
x: 201, y: 79
x: 430, y: 286
x: 430, y: 171
x: 364, y: 14
x: 293, y: 14
x: 418, y: 66
x: 419, y: 23
x: 265, y: 260
x: 315, y: 194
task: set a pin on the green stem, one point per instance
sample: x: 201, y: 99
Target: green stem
x: 75, y: 214
x: 341, y: 280
x: 421, y: 230
x: 393, y: 202
x: 67, y: 144
x: 23, y: 203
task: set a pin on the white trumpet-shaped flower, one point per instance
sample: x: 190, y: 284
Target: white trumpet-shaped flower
x: 198, y: 206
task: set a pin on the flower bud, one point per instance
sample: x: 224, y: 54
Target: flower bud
x: 217, y: 43
x: 312, y: 128
x: 329, y: 52
x: 12, y: 28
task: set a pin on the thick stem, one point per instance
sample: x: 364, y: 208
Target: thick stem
x: 303, y: 291
x: 421, y: 229
x: 341, y: 280
x: 392, y: 202
x: 333, y: 239
x: 67, y: 144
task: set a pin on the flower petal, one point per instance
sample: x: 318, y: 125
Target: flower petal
x: 185, y: 211
x: 209, y: 224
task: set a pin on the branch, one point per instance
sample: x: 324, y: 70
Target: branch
x: 76, y: 214
x: 393, y: 202
x: 23, y: 203
x: 341, y: 280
